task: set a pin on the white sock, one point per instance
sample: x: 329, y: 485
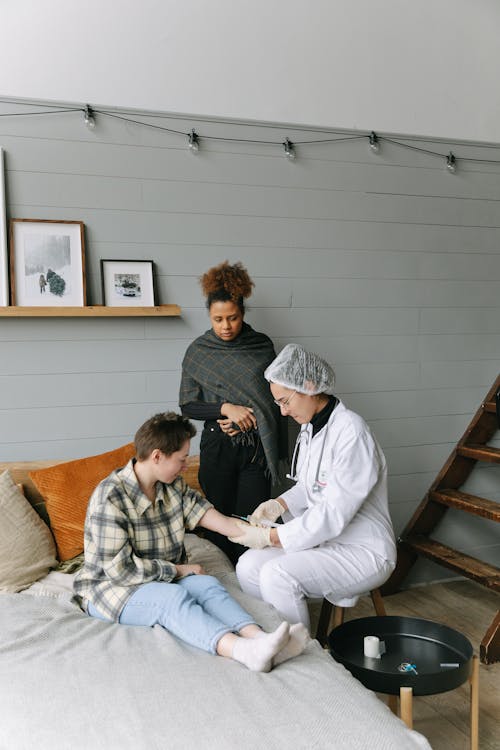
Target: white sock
x: 257, y: 653
x: 299, y: 638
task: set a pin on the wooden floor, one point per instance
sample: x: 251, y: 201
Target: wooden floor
x: 469, y: 608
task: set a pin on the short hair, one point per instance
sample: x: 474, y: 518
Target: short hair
x: 166, y: 431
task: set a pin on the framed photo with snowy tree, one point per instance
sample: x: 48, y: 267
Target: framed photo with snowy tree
x: 47, y: 263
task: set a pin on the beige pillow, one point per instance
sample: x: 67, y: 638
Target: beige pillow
x: 27, y: 548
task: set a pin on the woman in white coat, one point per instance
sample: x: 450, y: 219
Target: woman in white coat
x: 337, y: 539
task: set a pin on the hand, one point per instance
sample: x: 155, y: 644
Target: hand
x: 227, y: 427
x: 189, y: 570
x: 243, y: 416
x: 269, y: 509
x: 255, y: 537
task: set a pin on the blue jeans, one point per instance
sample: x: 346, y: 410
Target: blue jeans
x: 197, y: 609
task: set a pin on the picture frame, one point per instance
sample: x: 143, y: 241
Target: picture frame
x: 47, y: 263
x: 128, y: 283
x: 4, y: 266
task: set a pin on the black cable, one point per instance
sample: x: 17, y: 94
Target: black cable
x: 330, y: 140
x: 46, y: 112
x: 343, y: 138
x: 137, y: 122
x: 413, y: 148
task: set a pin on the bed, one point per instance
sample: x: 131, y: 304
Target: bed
x: 72, y: 682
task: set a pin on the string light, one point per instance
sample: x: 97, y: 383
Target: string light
x: 193, y: 138
x: 451, y: 163
x: 289, y: 149
x: 88, y: 117
x: 194, y: 143
x: 374, y: 142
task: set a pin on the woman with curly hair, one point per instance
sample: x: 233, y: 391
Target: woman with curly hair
x: 223, y: 383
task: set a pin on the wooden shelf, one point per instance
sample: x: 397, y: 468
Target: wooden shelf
x: 90, y: 311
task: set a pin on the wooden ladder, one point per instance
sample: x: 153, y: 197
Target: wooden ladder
x: 445, y: 493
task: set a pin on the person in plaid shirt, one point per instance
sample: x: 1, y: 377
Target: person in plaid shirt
x: 136, y: 570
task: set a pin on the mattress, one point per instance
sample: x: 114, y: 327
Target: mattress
x: 71, y: 682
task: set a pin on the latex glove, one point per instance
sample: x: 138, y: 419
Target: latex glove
x: 255, y: 537
x: 270, y: 510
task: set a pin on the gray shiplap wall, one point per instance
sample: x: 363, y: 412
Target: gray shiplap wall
x: 387, y: 265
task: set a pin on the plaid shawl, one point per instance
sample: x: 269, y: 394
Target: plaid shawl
x: 217, y: 371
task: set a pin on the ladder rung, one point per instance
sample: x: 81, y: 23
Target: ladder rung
x: 479, y: 506
x: 485, y: 574
x: 490, y: 407
x: 480, y: 452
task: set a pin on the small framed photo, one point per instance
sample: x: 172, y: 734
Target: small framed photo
x: 47, y: 263
x: 128, y: 283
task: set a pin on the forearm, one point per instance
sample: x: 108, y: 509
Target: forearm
x: 131, y: 570
x: 215, y: 521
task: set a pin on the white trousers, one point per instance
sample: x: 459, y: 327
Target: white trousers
x: 339, y: 573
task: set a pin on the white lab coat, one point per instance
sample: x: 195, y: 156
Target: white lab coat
x: 350, y: 503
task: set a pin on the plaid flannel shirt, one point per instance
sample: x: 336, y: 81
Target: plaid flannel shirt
x: 128, y: 542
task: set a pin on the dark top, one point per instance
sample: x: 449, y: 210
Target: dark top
x: 321, y: 418
x: 202, y: 410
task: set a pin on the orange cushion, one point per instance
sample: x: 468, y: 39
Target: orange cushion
x: 190, y: 475
x: 66, y: 489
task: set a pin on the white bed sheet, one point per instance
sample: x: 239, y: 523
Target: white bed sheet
x: 70, y: 682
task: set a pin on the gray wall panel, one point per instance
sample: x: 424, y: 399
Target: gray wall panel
x: 461, y: 373
x: 398, y: 293
x: 416, y: 431
x: 90, y: 356
x: 457, y: 320
x: 56, y: 390
x: 385, y: 264
x: 81, y: 329
x: 348, y: 321
x: 423, y: 403
x: 382, y: 175
x: 133, y: 226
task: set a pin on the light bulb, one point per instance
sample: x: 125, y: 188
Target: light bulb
x: 374, y: 142
x: 451, y: 163
x: 88, y: 117
x: 194, y: 144
x: 289, y: 149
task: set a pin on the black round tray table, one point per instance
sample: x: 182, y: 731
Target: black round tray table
x: 443, y: 660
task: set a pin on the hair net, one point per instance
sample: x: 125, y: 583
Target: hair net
x: 301, y: 371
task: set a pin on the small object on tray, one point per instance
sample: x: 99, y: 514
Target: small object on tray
x: 405, y: 666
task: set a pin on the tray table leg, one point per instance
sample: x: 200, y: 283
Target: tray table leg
x: 392, y: 702
x: 474, y: 704
x: 406, y: 703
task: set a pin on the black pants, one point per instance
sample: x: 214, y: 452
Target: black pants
x: 233, y: 478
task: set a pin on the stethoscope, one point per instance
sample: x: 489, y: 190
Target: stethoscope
x: 317, y: 485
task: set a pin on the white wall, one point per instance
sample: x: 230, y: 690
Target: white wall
x: 426, y: 68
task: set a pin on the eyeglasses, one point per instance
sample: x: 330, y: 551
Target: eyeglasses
x: 284, y: 403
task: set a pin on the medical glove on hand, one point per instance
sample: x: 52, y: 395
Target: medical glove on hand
x: 270, y: 510
x: 255, y: 537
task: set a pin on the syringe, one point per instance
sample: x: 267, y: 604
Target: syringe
x: 258, y: 522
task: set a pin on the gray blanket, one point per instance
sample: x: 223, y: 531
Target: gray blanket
x: 70, y: 682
